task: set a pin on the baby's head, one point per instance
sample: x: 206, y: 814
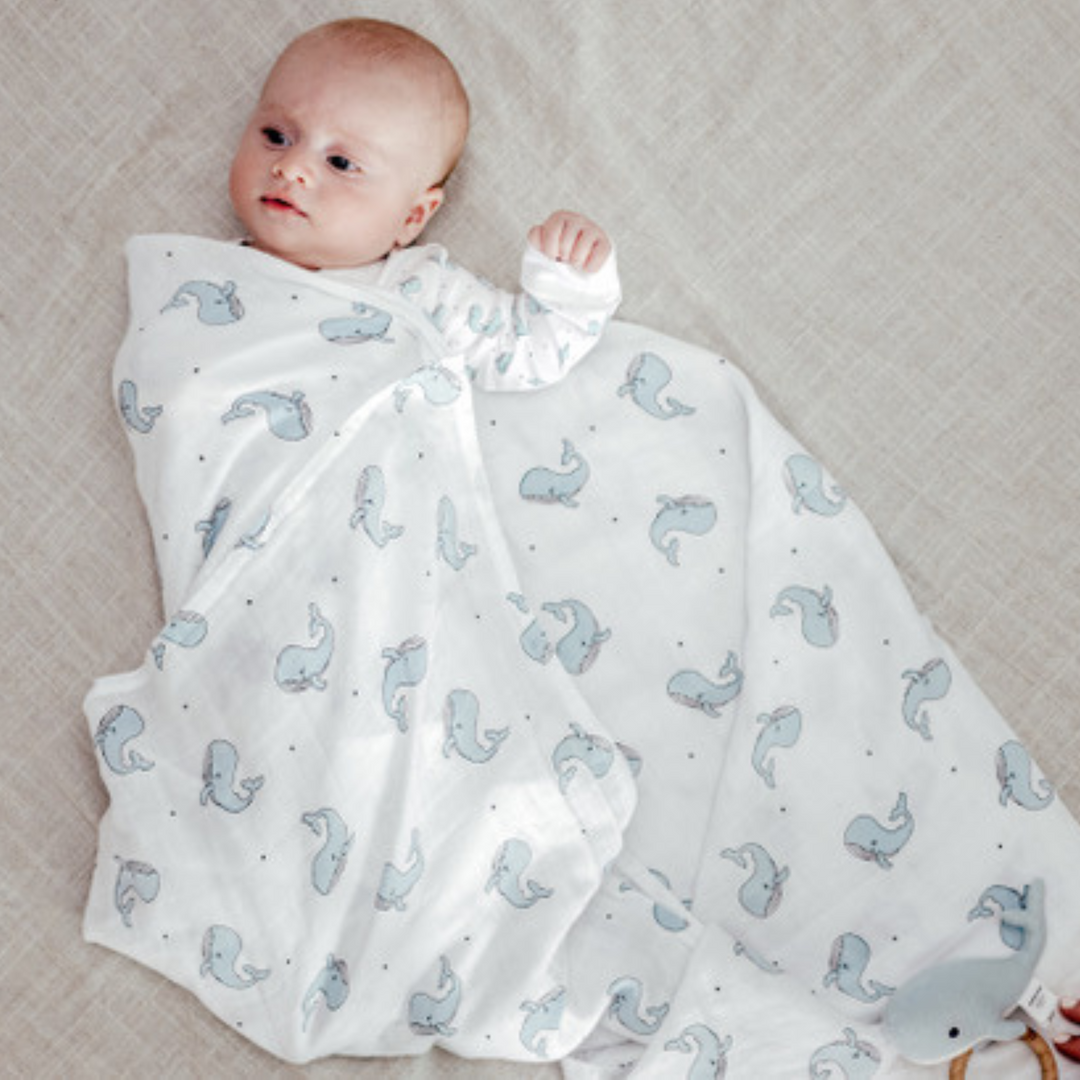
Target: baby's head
x: 358, y: 126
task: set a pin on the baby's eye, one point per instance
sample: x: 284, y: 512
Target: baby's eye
x: 274, y: 137
x: 342, y: 163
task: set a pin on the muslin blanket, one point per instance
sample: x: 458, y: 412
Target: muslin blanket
x: 593, y: 721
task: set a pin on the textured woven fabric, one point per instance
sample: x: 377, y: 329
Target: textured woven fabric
x: 870, y: 207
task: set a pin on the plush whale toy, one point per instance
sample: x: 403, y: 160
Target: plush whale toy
x: 950, y: 1008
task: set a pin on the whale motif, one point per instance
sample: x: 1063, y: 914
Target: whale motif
x: 931, y: 682
x: 579, y: 647
x: 186, y: 629
x: 454, y: 552
x: 535, y: 643
x: 664, y: 916
x: 220, y: 764
x: 395, y: 885
x: 647, y: 375
x: 255, y: 537
x: 216, y: 305
x: 770, y: 967
x: 331, y: 987
x: 329, y: 862
x: 854, y: 1058
x: 627, y: 995
x: 869, y: 840
x: 543, y: 1015
x: 543, y: 485
x: 437, y: 383
x: 507, y: 875
x: 710, y: 1054
x: 780, y: 730
x: 848, y: 962
x: 303, y: 667
x: 947, y: 1009
x: 366, y: 324
x: 221, y: 948
x: 406, y: 666
x: 581, y: 748
x: 288, y: 416
x: 487, y: 326
x: 691, y: 514
x: 211, y: 527
x: 691, y: 688
x: 820, y: 622
x: 134, y: 881
x: 1007, y: 900
x: 430, y: 1015
x: 806, y: 481
x: 1015, y: 773
x: 763, y: 890
x: 461, y: 716
x: 138, y: 418
x: 370, y: 500
x: 116, y: 729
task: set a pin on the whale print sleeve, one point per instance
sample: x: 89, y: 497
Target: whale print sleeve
x: 514, y: 341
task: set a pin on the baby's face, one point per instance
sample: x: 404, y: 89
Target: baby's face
x: 337, y: 163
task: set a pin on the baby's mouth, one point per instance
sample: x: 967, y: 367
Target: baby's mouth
x: 282, y: 205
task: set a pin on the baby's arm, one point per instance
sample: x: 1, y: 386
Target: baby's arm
x: 519, y: 341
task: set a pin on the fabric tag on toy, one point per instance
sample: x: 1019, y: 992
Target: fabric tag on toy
x: 1040, y: 1003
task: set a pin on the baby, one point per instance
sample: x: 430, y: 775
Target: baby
x: 344, y: 162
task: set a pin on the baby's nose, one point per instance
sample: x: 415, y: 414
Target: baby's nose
x: 292, y: 166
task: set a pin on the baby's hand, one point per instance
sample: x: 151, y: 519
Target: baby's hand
x: 573, y: 239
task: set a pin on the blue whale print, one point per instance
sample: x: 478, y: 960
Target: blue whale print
x: 431, y: 1015
x: 331, y: 987
x: 406, y: 666
x: 220, y: 764
x: 395, y: 885
x: 212, y: 526
x: 780, y: 730
x: 763, y: 890
x: 820, y: 622
x: 696, y: 691
x: 302, y: 667
x: 691, y: 514
x: 851, y: 1058
x: 135, y: 881
x: 508, y: 875
x: 366, y: 324
x: 329, y: 862
x: 664, y: 916
x: 370, y: 500
x: 116, y: 730
x: 627, y: 996
x: 288, y: 416
x: 1007, y: 900
x: 543, y: 485
x: 217, y: 305
x: 581, y: 748
x: 1015, y: 772
x: 710, y: 1053
x: 461, y: 718
x: 454, y: 552
x: 543, y: 1015
x: 806, y: 482
x: 931, y: 682
x: 867, y: 839
x: 848, y: 962
x: 221, y: 950
x: 579, y: 647
x: 646, y: 377
x: 186, y: 629
x: 138, y: 418
x: 437, y: 383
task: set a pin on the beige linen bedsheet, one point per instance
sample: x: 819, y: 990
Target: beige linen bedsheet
x: 872, y: 207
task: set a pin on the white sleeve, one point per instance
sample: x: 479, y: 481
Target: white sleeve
x: 516, y: 341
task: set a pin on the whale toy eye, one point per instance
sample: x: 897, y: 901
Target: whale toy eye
x: 954, y: 1033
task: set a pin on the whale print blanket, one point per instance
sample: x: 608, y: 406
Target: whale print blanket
x: 589, y: 724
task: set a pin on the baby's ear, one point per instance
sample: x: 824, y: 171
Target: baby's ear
x: 420, y: 214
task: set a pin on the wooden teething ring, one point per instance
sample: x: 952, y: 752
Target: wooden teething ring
x: 1038, y: 1045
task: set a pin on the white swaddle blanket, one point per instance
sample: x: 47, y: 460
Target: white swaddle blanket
x: 429, y: 647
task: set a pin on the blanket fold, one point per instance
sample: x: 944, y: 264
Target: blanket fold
x: 611, y: 679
